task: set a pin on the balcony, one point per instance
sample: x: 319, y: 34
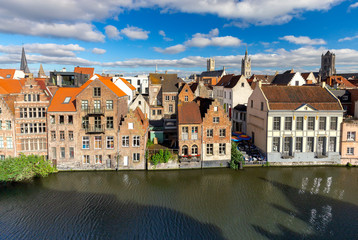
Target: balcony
x: 94, y: 129
x: 95, y: 111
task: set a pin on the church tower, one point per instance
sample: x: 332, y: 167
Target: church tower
x: 23, y: 66
x: 210, y: 64
x: 328, y: 65
x: 246, y: 66
x: 41, y: 73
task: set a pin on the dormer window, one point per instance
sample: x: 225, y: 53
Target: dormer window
x: 67, y: 100
x: 8, y: 76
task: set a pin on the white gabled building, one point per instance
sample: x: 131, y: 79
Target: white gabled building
x: 126, y: 87
x: 140, y: 82
x: 295, y: 124
x: 289, y: 78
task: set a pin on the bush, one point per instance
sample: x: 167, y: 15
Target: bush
x: 236, y: 157
x: 15, y: 169
x: 161, y: 157
x: 349, y: 165
x: 167, y: 155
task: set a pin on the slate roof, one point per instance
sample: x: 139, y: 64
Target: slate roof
x: 240, y: 107
x: 305, y: 75
x: 189, y: 107
x: 292, y: 97
x: 217, y: 73
x: 263, y: 78
x: 283, y: 78
x: 233, y: 81
x: 194, y: 86
x: 156, y: 78
x: 349, y: 75
x: 225, y: 80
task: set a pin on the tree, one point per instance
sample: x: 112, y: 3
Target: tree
x: 236, y: 157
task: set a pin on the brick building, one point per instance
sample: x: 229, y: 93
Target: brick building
x: 97, y: 107
x: 349, y: 143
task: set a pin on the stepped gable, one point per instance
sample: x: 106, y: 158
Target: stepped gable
x: 204, y: 104
x: 292, y: 97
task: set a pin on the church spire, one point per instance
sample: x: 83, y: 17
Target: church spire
x: 23, y: 66
x: 41, y: 72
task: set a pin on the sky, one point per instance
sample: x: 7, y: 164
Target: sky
x: 132, y: 37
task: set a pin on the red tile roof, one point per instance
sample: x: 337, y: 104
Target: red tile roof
x: 83, y: 70
x: 111, y: 86
x: 5, y: 72
x: 128, y: 84
x: 189, y: 113
x: 57, y: 104
x: 292, y: 97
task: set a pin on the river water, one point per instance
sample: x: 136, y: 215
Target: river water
x: 256, y: 203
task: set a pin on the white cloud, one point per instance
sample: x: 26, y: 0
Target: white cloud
x: 354, y: 5
x: 73, y: 18
x: 162, y: 33
x: 171, y: 50
x: 135, y: 33
x: 46, y: 49
x: 98, y: 51
x: 112, y: 32
x: 303, y: 40
x: 348, y: 38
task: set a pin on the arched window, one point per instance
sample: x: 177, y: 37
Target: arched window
x: 194, y: 150
x: 184, y: 150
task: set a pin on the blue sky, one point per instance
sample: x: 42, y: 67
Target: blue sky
x: 132, y: 36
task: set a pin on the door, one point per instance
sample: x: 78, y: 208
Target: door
x: 125, y: 161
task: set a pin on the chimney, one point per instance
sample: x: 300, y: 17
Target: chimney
x: 64, y: 69
x: 260, y: 84
x: 323, y: 84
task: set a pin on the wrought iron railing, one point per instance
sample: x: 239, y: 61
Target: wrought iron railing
x: 95, y: 128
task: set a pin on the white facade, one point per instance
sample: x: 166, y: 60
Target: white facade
x: 131, y: 92
x: 297, y: 80
x: 140, y: 102
x: 140, y: 82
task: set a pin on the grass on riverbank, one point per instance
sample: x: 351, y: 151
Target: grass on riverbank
x: 16, y: 169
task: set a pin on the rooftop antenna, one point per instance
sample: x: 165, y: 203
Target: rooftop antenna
x: 156, y: 68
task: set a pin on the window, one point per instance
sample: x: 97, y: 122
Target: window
x: 130, y: 125
x: 153, y: 112
x: 97, y: 142
x: 109, y: 122
x: 53, y: 135
x: 173, y: 98
x: 62, y: 119
x: 62, y: 152
x: 185, y: 133
x: 322, y: 123
x: 110, y: 142
x: 0, y: 124
x: 223, y: 132
x: 1, y: 142
x: 209, y: 149
x: 136, y: 141
x: 310, y: 123
x: 85, y: 122
x: 288, y: 123
x: 170, y: 107
x: 351, y: 136
x: 85, y: 142
x: 139, y: 102
x: 194, y: 133
x: 0, y: 110
x: 287, y: 145
x: 9, y: 143
x: 299, y: 123
x: 277, y: 123
x: 194, y: 150
x: 209, y: 132
x: 72, y: 152
x: 252, y: 103
x: 8, y: 124
x: 332, y: 144
x: 86, y: 159
x: 98, y: 159
x: 97, y: 104
x: 333, y: 125
x: 222, y: 148
x: 242, y: 84
x: 310, y: 144
x: 136, y: 157
x: 109, y: 104
x: 350, y: 151
x: 184, y: 150
x: 96, y: 92
x: 215, y: 109
x: 62, y: 135
x: 186, y: 98
x: 345, y: 98
x: 67, y: 100
x: 299, y: 141
x: 262, y: 106
x: 166, y: 98
x: 216, y: 119
x: 54, y: 154
x: 125, y: 141
x: 70, y: 135
x: 84, y: 104
x: 276, y: 144
x: 159, y: 112
x: 70, y: 119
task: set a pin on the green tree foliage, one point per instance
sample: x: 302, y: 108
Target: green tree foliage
x: 15, y: 169
x: 161, y: 157
x: 236, y: 157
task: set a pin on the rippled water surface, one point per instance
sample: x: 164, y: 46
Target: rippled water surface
x: 256, y: 203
